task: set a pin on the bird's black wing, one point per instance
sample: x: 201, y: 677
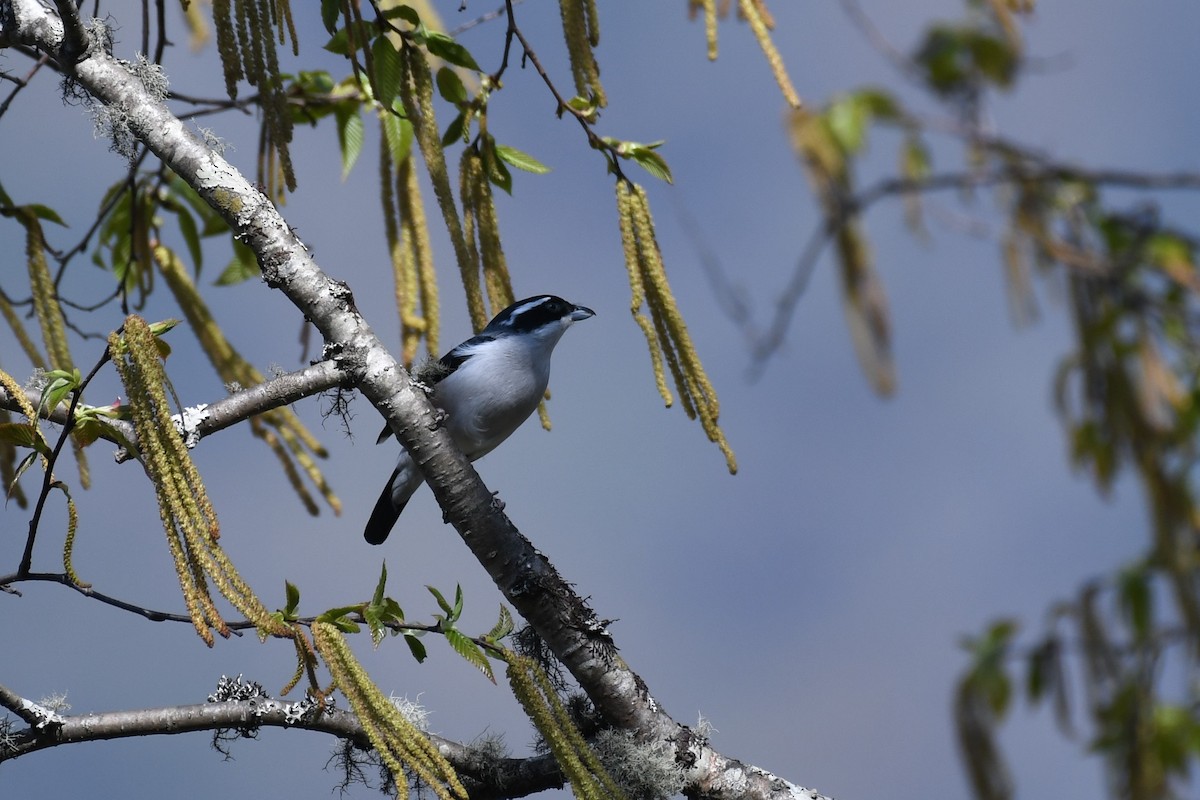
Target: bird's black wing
x: 432, y: 373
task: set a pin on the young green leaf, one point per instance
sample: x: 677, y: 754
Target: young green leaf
x: 339, y: 617
x: 502, y: 628
x: 377, y: 598
x: 472, y: 652
x: 292, y: 599
x: 652, y: 162
x: 520, y: 160
x: 441, y: 601
x: 415, y: 646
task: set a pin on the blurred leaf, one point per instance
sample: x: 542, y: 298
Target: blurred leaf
x: 521, y: 160
x: 398, y: 133
x: 243, y: 267
x: 350, y: 137
x: 451, y: 87
x: 445, y: 48
x: 23, y: 434
x: 45, y: 212
x: 455, y: 130
x: 1136, y: 599
x: 331, y: 12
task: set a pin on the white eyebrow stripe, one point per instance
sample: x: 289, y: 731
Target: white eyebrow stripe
x: 521, y: 309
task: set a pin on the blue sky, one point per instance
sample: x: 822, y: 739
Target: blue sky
x: 809, y: 607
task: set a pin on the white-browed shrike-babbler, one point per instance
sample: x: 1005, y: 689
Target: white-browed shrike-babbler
x: 487, y: 386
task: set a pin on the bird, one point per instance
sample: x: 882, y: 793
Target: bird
x: 487, y: 386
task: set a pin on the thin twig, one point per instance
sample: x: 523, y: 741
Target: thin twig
x: 48, y: 478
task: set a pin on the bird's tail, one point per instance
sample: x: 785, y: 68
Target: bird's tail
x: 384, y: 515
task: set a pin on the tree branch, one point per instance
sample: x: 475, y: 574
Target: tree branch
x: 224, y: 413
x: 528, y: 581
x: 491, y: 777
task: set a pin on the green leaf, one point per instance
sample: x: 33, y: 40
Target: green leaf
x: 191, y: 238
x: 503, y: 627
x: 292, y: 599
x: 1137, y: 600
x: 441, y: 601
x: 339, y: 618
x: 398, y: 132
x: 59, y: 384
x: 455, y: 129
x: 445, y: 48
x: 404, y: 12
x: 377, y: 598
x: 350, y: 137
x: 521, y: 160
x: 243, y: 267
x: 339, y: 43
x: 87, y: 430
x: 386, y: 60
x: 848, y: 119
x: 331, y: 12
x: 472, y: 652
x: 46, y: 212
x: 24, y: 465
x: 652, y: 162
x: 451, y: 87
x: 416, y: 647
x: 499, y: 174
x: 21, y: 434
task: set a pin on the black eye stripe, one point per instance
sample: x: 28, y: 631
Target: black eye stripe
x: 530, y: 314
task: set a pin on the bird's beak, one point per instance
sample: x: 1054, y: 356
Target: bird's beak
x: 581, y: 313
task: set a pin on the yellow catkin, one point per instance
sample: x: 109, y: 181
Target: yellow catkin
x: 403, y: 266
x: 188, y: 517
x: 50, y: 317
x: 470, y: 170
x: 576, y: 20
x: 416, y: 234
x: 758, y: 24
x: 666, y: 332
x: 233, y: 369
x: 633, y: 267
x: 495, y: 266
x: 45, y: 299
x: 400, y: 745
x: 69, y: 542
x: 533, y: 690
x: 416, y: 93
x: 22, y: 336
x: 231, y: 62
x: 197, y: 24
x: 710, y: 27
